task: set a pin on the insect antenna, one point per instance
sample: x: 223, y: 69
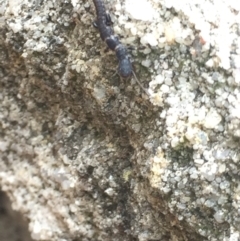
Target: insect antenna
x: 140, y: 83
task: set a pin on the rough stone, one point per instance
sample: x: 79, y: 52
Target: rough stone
x: 86, y: 155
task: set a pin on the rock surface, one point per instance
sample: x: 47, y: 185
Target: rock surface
x: 88, y: 156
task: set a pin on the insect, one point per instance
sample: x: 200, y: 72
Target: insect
x: 103, y: 23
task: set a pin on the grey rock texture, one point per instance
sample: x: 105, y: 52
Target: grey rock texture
x: 88, y: 156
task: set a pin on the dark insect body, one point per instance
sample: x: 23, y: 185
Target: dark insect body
x: 103, y: 23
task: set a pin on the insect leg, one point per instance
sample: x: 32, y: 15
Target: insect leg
x: 108, y: 20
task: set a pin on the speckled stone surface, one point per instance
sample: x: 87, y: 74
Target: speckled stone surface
x: 88, y: 156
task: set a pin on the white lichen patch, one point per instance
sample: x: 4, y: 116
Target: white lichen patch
x: 145, y: 11
x: 199, y: 98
